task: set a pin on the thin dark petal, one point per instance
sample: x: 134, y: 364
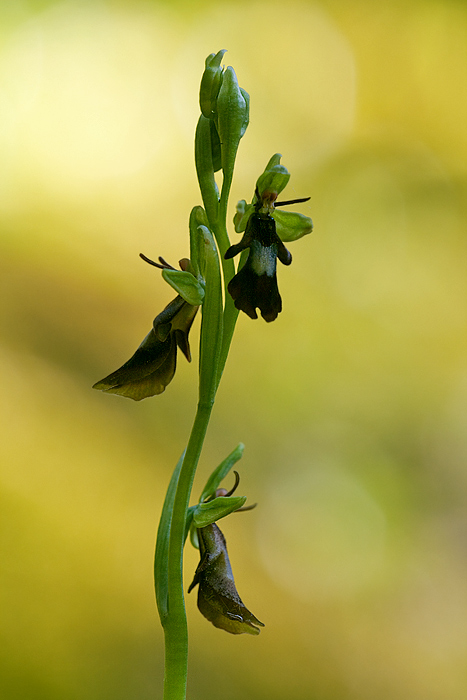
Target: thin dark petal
x: 243, y: 245
x: 236, y: 249
x: 292, y: 201
x: 162, y: 264
x: 181, y: 327
x: 182, y: 341
x: 283, y: 254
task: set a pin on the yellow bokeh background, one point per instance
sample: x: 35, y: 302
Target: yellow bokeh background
x: 352, y: 405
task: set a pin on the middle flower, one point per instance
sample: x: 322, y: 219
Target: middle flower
x: 255, y: 284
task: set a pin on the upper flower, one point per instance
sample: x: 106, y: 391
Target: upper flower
x: 152, y: 367
x: 255, y: 284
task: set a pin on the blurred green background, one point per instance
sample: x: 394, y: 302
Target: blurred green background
x: 351, y: 405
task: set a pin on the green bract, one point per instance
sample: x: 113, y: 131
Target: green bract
x: 186, y: 285
x: 212, y: 328
x: 162, y: 545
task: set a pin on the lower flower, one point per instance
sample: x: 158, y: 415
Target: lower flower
x: 218, y: 599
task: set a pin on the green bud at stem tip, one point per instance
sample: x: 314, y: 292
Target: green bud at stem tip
x: 233, y: 115
x: 211, y: 84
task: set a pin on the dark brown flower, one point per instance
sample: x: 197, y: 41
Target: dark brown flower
x: 218, y: 599
x: 255, y: 284
x: 152, y: 367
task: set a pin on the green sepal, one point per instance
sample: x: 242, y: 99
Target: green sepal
x: 211, y: 82
x: 244, y: 211
x: 290, y: 225
x: 161, y: 576
x: 186, y: 285
x: 211, y: 511
x: 232, y: 119
x: 274, y: 178
x: 221, y: 472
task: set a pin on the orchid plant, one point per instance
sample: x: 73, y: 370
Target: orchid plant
x: 209, y: 281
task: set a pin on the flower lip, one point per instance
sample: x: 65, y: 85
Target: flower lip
x: 255, y: 284
x: 218, y: 599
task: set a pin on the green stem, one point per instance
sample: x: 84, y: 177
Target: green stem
x: 228, y: 268
x: 175, y: 627
x: 217, y: 328
x: 174, y: 622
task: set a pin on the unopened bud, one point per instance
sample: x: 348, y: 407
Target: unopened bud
x: 211, y: 84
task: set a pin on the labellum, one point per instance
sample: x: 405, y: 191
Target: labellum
x: 255, y: 284
x: 218, y: 599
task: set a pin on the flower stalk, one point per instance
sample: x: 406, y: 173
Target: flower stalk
x: 209, y: 281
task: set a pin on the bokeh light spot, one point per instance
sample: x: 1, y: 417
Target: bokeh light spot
x: 321, y: 535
